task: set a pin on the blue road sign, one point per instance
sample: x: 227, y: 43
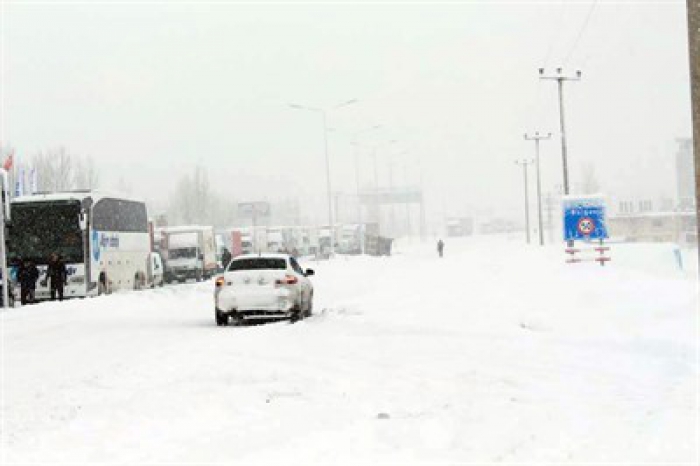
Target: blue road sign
x: 584, y: 218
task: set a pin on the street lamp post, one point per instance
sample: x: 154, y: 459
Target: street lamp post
x: 329, y: 191
x: 355, y: 145
x: 376, y: 184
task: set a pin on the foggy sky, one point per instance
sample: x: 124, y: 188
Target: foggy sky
x: 151, y: 90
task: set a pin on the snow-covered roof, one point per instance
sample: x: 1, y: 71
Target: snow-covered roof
x: 186, y: 229
x: 72, y: 195
x: 183, y: 240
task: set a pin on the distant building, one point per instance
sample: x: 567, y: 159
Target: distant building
x: 460, y: 226
x: 685, y: 174
x: 655, y: 227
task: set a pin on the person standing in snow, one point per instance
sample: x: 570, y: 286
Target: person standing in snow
x: 440, y: 247
x: 225, y: 258
x: 57, y: 275
x: 27, y: 275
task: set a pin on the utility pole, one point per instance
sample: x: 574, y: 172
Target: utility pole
x: 559, y: 77
x: 537, y: 138
x: 524, y: 163
x: 694, y: 49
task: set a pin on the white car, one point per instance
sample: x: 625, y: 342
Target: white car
x: 263, y: 286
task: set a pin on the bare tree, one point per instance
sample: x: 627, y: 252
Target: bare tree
x: 194, y: 202
x: 192, y: 198
x: 86, y: 174
x: 55, y: 170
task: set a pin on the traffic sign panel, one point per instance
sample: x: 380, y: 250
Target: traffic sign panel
x: 584, y: 218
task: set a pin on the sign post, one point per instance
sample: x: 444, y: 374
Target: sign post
x: 584, y: 220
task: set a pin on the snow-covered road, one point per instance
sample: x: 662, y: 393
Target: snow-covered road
x: 496, y: 353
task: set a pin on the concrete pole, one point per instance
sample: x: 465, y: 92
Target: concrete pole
x: 564, y: 160
x: 537, y: 139
x: 524, y: 164
x: 560, y: 78
x: 694, y: 49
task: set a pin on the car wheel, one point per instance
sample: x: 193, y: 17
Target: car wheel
x: 236, y: 320
x: 221, y: 318
x: 310, y: 306
x: 298, y: 314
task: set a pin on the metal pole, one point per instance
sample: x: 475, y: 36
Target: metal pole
x: 328, y: 184
x: 328, y: 163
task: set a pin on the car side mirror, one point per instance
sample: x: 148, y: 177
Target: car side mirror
x: 309, y: 272
x: 82, y: 221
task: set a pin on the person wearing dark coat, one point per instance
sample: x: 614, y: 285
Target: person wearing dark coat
x: 225, y: 258
x: 440, y: 247
x: 27, y: 275
x: 57, y: 274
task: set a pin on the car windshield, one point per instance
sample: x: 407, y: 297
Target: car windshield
x: 182, y: 253
x: 258, y: 263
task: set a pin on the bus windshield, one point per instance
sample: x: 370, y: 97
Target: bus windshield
x: 41, y: 228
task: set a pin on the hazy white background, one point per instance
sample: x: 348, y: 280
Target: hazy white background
x: 150, y: 90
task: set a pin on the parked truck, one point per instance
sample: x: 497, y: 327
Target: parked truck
x: 189, y: 252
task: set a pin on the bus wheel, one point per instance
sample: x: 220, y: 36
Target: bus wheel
x: 139, y: 281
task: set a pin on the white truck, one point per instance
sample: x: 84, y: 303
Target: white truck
x: 189, y: 252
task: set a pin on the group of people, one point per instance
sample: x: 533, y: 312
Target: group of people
x: 27, y: 275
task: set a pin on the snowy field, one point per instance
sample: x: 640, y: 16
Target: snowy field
x: 496, y: 353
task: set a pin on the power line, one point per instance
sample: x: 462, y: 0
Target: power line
x: 556, y: 32
x: 581, y: 31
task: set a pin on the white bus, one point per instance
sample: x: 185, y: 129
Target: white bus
x: 103, y: 240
